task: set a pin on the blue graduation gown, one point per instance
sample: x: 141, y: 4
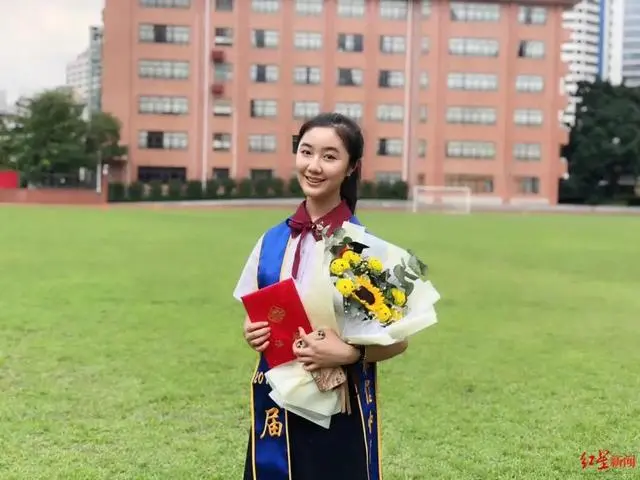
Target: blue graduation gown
x: 284, y: 446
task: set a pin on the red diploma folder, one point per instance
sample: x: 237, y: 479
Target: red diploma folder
x: 281, y: 306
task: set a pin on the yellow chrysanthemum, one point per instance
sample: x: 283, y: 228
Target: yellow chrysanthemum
x: 367, y: 294
x: 352, y: 257
x: 375, y: 265
x: 383, y: 313
x: 399, y: 297
x: 339, y: 266
x: 345, y: 286
x: 395, y: 315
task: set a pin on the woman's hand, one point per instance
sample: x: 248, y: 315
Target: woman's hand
x: 257, y: 334
x: 323, y: 348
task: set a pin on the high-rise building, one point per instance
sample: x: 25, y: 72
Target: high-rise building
x: 583, y: 52
x: 623, y: 42
x: 85, y: 71
x: 447, y: 93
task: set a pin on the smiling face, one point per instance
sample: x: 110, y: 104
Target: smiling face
x: 322, y: 163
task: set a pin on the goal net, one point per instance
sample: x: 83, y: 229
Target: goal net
x: 441, y: 199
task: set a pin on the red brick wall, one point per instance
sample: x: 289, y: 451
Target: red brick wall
x: 57, y: 196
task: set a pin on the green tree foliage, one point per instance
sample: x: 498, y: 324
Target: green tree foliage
x: 48, y: 134
x: 604, y: 143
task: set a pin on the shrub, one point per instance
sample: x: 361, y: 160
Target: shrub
x: 135, y: 192
x: 212, y: 189
x: 117, y: 192
x: 194, y: 190
x: 156, y: 193
x: 175, y: 190
x: 245, y: 188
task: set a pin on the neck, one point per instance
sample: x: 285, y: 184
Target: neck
x: 318, y: 208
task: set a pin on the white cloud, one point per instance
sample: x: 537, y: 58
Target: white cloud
x: 38, y: 38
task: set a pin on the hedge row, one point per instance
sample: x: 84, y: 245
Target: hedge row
x: 229, y: 189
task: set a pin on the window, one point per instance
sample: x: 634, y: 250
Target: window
x: 473, y: 47
x: 390, y: 113
x: 424, y: 80
x: 388, y: 177
x: 423, y: 113
x: 262, y: 143
x: 532, y: 15
x: 221, y: 173
x: 528, y: 185
x: 472, y: 81
x: 306, y: 75
x: 165, y: 3
x: 527, y: 117
x: 351, y: 110
x: 391, y: 78
x: 221, y: 142
x: 223, y: 37
x: 224, y: 5
x: 166, y: 69
x: 161, y: 174
x: 309, y: 7
x: 471, y: 115
x: 531, y: 49
x: 350, y: 42
x: 389, y: 147
x: 529, y: 83
x: 392, y: 44
x: 222, y: 108
x: 222, y: 72
x: 265, y: 73
x: 422, y: 148
x: 265, y: 38
x: 477, y: 183
x: 163, y: 105
x: 264, y: 108
x: 351, y: 8
x: 307, y: 40
x: 349, y: 77
x: 163, y: 140
x: 163, y: 34
x: 394, y: 9
x: 265, y: 6
x: 425, y: 45
x: 305, y: 109
x: 471, y: 150
x: 474, y: 12
x: 425, y: 9
x: 527, y: 152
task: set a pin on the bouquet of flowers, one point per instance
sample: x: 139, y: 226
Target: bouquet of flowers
x: 370, y: 292
x: 385, y: 295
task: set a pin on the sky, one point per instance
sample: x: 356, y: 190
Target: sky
x: 38, y: 38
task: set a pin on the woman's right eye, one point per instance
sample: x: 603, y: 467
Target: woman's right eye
x: 305, y: 151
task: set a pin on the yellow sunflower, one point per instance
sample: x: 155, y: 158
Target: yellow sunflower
x: 367, y: 294
x: 383, y: 313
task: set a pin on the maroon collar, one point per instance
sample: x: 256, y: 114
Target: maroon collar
x: 300, y: 223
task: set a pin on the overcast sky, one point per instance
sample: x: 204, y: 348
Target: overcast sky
x: 38, y: 38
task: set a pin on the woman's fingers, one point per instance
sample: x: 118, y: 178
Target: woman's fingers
x: 258, y: 333
x: 253, y: 326
x: 263, y: 347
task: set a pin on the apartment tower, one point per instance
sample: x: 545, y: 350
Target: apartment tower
x: 447, y: 93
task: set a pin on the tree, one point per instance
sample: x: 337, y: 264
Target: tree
x: 48, y: 135
x: 604, y: 143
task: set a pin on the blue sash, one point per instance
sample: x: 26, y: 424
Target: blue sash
x: 269, y: 434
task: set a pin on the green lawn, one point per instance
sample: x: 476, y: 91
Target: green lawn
x: 121, y: 354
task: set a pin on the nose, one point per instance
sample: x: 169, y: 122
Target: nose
x: 314, y: 164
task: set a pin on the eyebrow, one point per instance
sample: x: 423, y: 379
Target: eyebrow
x: 326, y: 148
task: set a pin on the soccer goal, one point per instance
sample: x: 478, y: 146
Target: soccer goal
x: 441, y: 199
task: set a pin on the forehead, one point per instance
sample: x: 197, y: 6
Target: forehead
x: 323, y: 137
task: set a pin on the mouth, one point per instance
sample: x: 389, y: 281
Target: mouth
x: 314, y: 181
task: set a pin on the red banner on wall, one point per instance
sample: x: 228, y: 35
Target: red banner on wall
x: 9, y: 179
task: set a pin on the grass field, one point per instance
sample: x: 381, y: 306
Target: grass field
x: 121, y: 354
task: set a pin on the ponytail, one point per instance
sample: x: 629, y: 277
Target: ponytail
x: 349, y: 189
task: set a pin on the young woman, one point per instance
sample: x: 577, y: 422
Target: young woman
x: 282, y: 445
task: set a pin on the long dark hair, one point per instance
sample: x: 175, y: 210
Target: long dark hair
x: 353, y: 141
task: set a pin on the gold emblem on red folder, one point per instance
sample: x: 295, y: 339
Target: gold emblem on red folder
x: 276, y: 314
